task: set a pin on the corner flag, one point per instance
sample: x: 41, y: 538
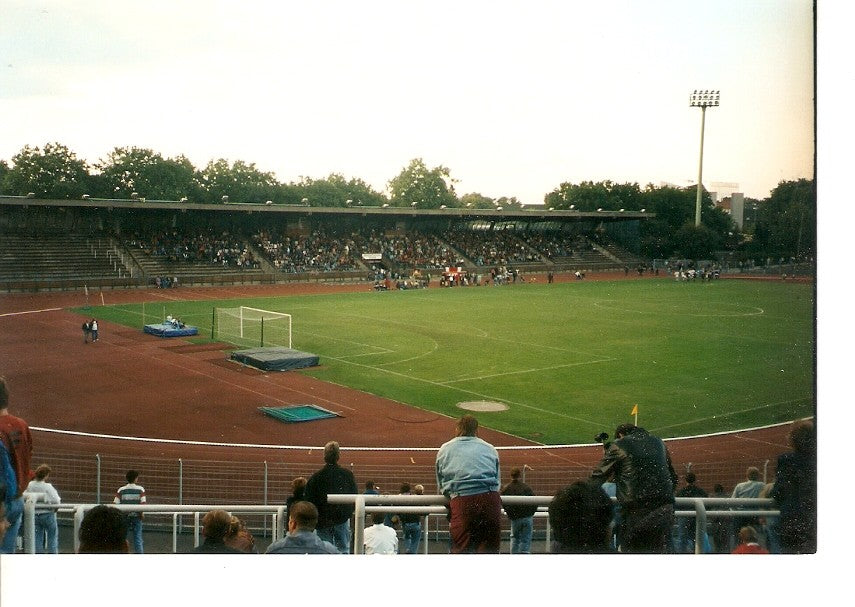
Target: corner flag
x: 634, y: 410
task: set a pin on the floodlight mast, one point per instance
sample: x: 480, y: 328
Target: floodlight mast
x: 702, y: 99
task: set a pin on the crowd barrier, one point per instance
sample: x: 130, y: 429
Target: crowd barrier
x: 431, y: 507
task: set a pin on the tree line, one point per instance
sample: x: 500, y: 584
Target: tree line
x: 782, y: 225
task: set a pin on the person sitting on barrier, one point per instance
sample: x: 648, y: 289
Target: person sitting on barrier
x: 104, y: 530
x: 215, y: 526
x: 467, y: 473
x: 301, y: 537
x: 580, y: 516
x: 379, y: 537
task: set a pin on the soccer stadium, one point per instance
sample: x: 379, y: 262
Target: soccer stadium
x: 221, y: 379
x: 530, y: 282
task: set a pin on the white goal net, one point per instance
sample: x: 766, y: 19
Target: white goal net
x: 253, y: 327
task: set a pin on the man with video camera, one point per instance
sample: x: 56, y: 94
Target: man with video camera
x: 640, y: 465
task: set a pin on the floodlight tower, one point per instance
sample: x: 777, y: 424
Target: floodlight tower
x: 702, y: 99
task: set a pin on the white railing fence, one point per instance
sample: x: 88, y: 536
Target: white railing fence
x: 430, y: 507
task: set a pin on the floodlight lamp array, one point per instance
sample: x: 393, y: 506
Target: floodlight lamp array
x: 704, y: 98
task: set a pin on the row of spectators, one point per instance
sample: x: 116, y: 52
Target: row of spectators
x: 322, y: 250
x: 206, y: 246
x: 314, y: 252
x: 492, y: 248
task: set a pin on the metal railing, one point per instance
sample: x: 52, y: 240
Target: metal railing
x: 428, y: 506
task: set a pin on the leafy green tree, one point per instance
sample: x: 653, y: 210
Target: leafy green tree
x: 337, y: 191
x: 52, y: 172
x: 417, y: 185
x: 239, y: 181
x: 789, y: 217
x: 509, y: 203
x: 131, y: 169
x: 590, y: 196
x: 474, y: 200
x: 696, y: 242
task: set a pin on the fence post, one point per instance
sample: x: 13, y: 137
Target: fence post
x: 97, y: 478
x: 29, y: 525
x: 266, y: 470
x: 180, y: 493
x: 700, y: 526
x: 359, y: 525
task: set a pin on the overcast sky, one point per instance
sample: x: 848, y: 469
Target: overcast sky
x: 513, y: 97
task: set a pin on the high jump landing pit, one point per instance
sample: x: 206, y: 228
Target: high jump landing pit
x: 482, y: 405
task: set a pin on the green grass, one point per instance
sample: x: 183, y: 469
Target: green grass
x: 568, y: 359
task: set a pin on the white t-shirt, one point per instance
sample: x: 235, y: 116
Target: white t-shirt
x: 48, y: 493
x: 380, y: 539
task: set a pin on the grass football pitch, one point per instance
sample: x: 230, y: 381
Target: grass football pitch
x: 569, y: 360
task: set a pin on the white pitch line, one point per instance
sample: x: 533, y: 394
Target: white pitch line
x: 587, y: 362
x: 30, y: 312
x: 730, y: 413
x: 464, y: 391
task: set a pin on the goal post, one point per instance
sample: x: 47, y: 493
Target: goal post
x: 253, y: 327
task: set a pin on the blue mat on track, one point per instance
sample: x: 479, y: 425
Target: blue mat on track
x: 298, y: 413
x: 167, y: 329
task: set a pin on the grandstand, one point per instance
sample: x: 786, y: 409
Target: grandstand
x: 118, y: 244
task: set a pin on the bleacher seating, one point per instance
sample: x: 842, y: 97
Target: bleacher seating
x: 59, y: 258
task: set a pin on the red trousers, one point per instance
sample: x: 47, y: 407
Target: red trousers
x: 476, y: 523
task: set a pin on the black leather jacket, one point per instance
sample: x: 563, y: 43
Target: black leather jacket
x: 641, y: 468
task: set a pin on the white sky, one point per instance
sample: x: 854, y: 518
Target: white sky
x: 513, y: 97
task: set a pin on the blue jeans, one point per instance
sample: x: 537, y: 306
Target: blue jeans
x: 337, y: 535
x: 15, y: 515
x: 412, y: 537
x: 46, y: 530
x: 135, y: 531
x: 521, y: 529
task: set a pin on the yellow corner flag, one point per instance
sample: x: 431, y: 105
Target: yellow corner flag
x: 634, y: 410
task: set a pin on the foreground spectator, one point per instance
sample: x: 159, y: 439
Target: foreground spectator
x: 215, y: 526
x: 133, y: 494
x: 301, y: 537
x: 748, y: 542
x: 239, y: 537
x: 750, y: 488
x: 641, y: 467
x: 467, y: 473
x: 380, y: 538
x: 411, y: 524
x: 795, y: 492
x: 684, y: 542
x: 333, y: 519
x: 522, y: 516
x: 298, y: 492
x: 47, y: 537
x: 581, y: 519
x: 4, y: 523
x: 18, y: 442
x: 104, y: 530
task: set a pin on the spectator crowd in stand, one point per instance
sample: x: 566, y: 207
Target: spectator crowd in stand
x: 205, y: 246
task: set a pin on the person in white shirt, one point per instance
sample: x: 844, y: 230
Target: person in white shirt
x: 47, y: 538
x: 380, y: 539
